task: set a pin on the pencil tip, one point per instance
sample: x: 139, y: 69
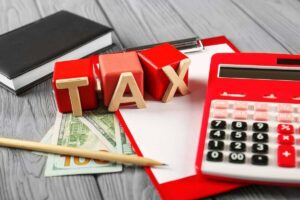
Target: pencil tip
x: 163, y: 164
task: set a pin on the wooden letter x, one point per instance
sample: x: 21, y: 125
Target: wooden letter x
x: 176, y: 80
x: 72, y: 85
x: 126, y: 79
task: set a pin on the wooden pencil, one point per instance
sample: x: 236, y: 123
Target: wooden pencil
x: 71, y: 151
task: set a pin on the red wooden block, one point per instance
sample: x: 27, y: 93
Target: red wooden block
x: 153, y: 60
x: 75, y: 69
x: 111, y: 67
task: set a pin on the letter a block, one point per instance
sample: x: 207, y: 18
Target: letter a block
x: 74, y: 86
x: 166, y: 71
x: 122, y: 79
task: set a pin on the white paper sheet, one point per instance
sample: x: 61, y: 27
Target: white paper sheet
x: 169, y: 132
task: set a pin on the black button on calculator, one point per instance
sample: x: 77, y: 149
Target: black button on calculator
x: 238, y: 136
x: 218, y: 124
x: 215, y: 145
x: 260, y: 137
x: 260, y: 127
x: 237, y: 158
x: 217, y: 134
x: 238, y: 146
x: 238, y: 125
x: 215, y: 156
x: 260, y: 148
x: 259, y: 160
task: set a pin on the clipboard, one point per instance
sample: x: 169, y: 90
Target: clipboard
x: 170, y: 132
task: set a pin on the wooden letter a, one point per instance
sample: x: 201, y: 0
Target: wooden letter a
x: 176, y: 80
x: 126, y: 79
x: 72, y: 85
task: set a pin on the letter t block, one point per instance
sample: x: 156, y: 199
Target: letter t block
x: 74, y: 86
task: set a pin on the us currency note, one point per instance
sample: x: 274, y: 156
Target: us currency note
x: 103, y: 123
x: 70, y: 131
x: 126, y: 145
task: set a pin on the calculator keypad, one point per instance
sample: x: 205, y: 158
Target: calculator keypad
x: 254, y: 134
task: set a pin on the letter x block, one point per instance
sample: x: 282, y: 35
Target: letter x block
x: 166, y: 71
x: 74, y: 86
x: 111, y: 68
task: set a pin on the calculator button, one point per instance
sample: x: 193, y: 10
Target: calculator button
x: 215, y: 145
x: 259, y: 160
x: 260, y: 137
x: 220, y: 113
x: 261, y: 107
x: 285, y: 108
x: 237, y: 146
x: 238, y: 125
x: 285, y: 139
x: 237, y: 158
x: 286, y: 156
x: 221, y: 104
x: 285, y: 128
x: 238, y: 114
x: 260, y: 148
x: 218, y: 124
x: 285, y: 117
x: 217, y: 134
x: 261, y: 127
x: 240, y: 105
x: 261, y: 116
x: 238, y: 136
x: 215, y: 156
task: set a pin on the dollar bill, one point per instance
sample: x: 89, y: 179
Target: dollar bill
x: 126, y: 145
x: 70, y: 131
x: 103, y: 124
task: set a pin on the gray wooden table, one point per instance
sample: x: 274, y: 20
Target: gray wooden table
x: 253, y: 25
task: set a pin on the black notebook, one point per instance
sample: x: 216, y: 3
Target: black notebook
x: 28, y: 54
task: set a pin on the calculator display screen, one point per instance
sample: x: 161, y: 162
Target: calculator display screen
x: 275, y: 73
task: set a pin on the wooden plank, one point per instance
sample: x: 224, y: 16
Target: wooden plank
x: 211, y: 18
x: 260, y: 192
x: 11, y: 13
x: 133, y: 183
x: 141, y: 22
x: 86, y: 8
x: 29, y: 117
x: 279, y: 18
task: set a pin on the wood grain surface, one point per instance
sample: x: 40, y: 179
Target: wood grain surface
x: 269, y: 26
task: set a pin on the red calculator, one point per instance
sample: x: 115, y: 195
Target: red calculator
x: 251, y: 120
